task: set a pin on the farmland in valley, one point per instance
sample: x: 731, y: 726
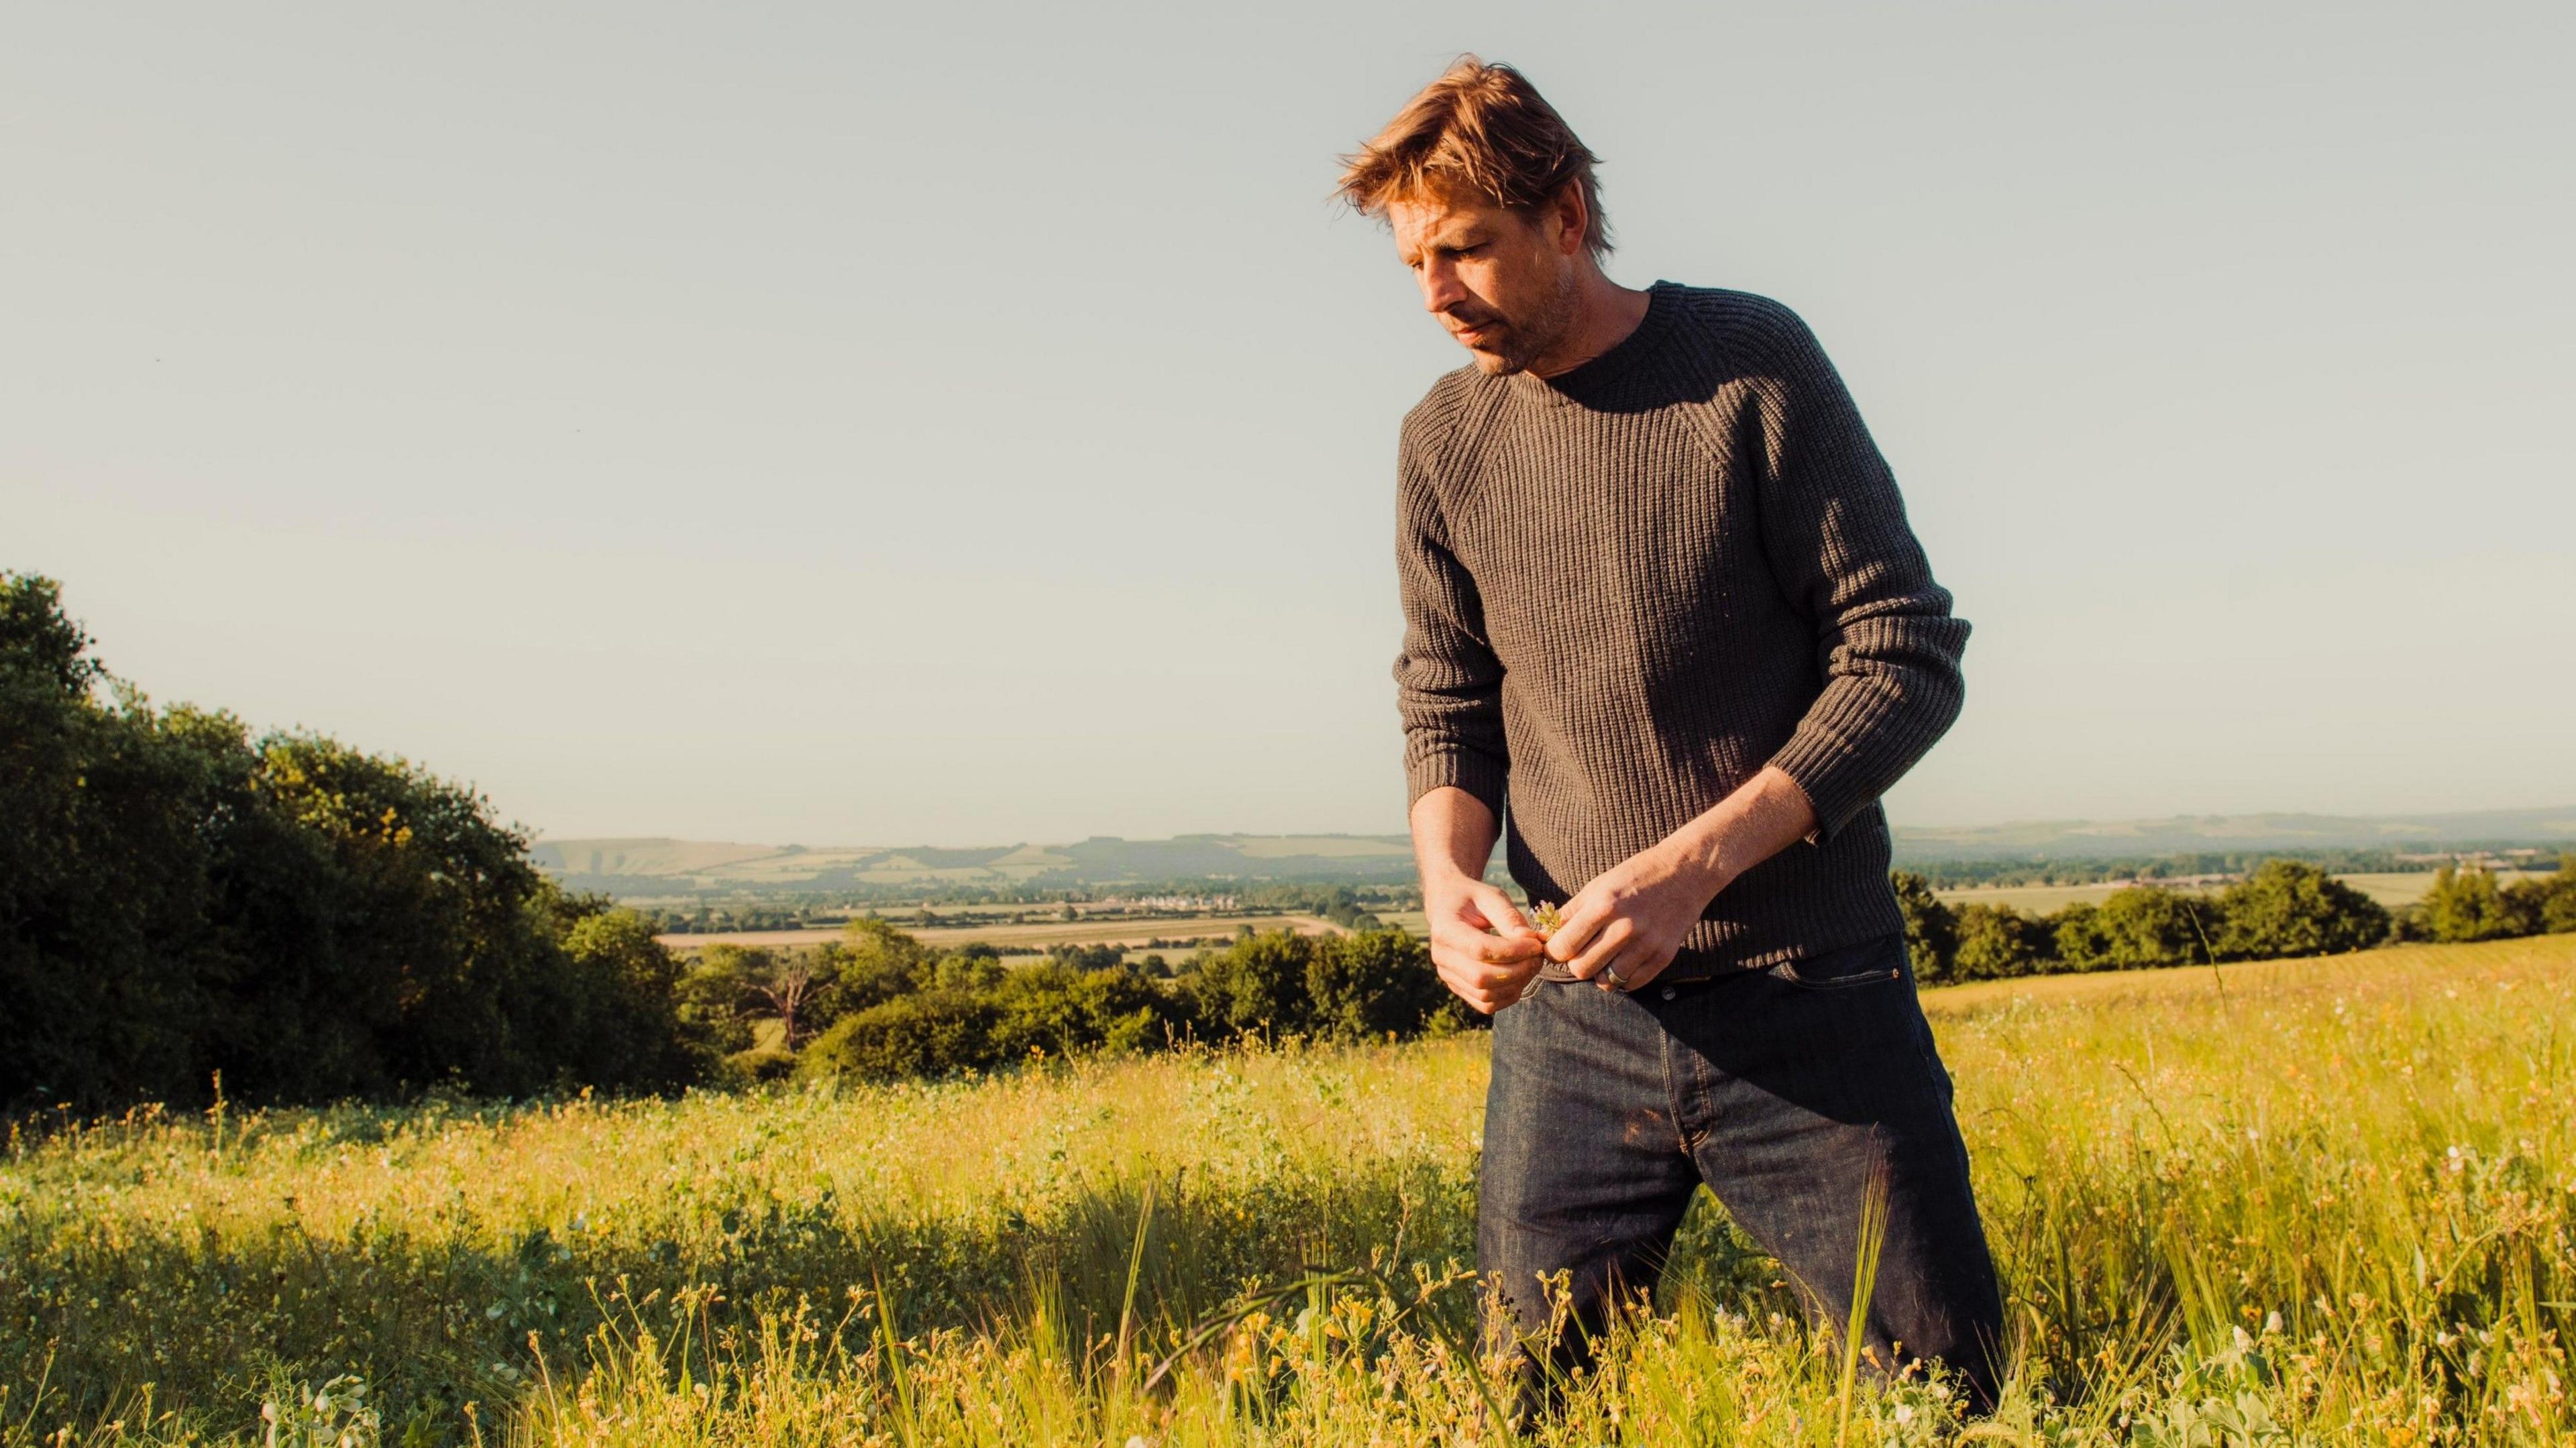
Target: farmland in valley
x: 1015, y: 934
x: 2390, y: 888
x: 2305, y: 1201
x: 1038, y: 935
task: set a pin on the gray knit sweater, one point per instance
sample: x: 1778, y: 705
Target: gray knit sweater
x: 1629, y: 587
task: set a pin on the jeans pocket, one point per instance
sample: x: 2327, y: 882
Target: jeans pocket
x: 1877, y: 962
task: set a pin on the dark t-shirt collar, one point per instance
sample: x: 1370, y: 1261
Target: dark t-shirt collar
x: 1588, y: 381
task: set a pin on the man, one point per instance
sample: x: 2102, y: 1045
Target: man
x: 1661, y: 601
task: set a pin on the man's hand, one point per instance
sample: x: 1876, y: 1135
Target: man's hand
x: 1453, y: 837
x: 1620, y: 931
x: 1487, y: 971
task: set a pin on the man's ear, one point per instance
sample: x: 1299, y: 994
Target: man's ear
x: 1573, y: 219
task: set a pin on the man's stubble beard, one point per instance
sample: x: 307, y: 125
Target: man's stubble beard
x: 1525, y: 340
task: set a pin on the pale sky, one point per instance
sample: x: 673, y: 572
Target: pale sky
x: 968, y: 424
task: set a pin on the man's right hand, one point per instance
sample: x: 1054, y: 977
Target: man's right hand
x: 1486, y: 953
x: 1486, y: 970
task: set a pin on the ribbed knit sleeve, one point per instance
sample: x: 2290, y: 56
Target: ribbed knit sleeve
x: 1448, y: 682
x: 1840, y: 548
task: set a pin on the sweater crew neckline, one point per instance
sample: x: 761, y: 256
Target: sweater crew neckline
x: 1573, y: 388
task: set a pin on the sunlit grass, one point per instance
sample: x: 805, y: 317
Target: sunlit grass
x: 2301, y: 1201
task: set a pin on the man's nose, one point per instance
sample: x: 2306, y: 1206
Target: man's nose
x: 1441, y: 288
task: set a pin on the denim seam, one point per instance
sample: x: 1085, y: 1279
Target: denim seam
x: 1673, y: 1094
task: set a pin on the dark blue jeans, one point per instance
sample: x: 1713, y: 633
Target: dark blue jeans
x: 1785, y: 1090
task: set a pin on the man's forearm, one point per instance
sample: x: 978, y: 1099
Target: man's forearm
x: 1453, y: 834
x: 1765, y: 815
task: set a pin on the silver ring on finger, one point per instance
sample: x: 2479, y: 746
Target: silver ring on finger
x: 1616, y: 978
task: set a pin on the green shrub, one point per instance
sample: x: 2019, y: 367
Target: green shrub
x: 977, y: 1016
x: 1374, y: 985
x: 2558, y: 904
x: 1254, y: 985
x: 2466, y: 905
x: 1998, y: 942
x: 1061, y: 1011
x: 928, y: 1033
x: 2290, y: 908
x: 967, y: 972
x: 878, y: 962
x: 758, y: 1065
x: 2139, y: 928
x: 2544, y: 907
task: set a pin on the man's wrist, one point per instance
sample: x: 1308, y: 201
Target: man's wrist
x: 1447, y: 879
x: 1741, y: 831
x: 1698, y: 853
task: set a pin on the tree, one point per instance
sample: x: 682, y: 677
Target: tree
x: 780, y: 985
x: 1997, y: 942
x: 617, y: 1020
x: 1257, y: 983
x: 106, y: 867
x: 2545, y: 906
x: 878, y: 962
x: 2558, y: 906
x: 1062, y: 1011
x: 1375, y: 984
x: 177, y: 899
x: 2287, y: 908
x: 2139, y: 928
x: 1085, y: 957
x: 1931, y: 928
x: 2465, y: 905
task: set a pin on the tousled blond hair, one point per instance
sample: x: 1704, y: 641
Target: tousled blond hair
x: 1482, y: 131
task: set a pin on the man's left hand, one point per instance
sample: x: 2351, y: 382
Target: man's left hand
x: 1620, y: 931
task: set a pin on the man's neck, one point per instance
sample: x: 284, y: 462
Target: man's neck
x: 1605, y: 313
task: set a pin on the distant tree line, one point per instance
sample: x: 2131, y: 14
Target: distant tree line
x: 711, y: 920
x: 1340, y: 904
x: 879, y: 1005
x: 2283, y: 908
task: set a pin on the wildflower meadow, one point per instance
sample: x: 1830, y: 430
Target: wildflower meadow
x: 2307, y: 1201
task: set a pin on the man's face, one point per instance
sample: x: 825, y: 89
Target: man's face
x: 1501, y: 283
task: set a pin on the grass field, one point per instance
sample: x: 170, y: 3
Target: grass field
x: 2297, y: 1202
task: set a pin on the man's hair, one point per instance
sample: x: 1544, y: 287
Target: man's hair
x: 1481, y: 131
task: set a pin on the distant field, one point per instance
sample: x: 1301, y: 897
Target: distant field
x: 2039, y: 899
x: 2411, y: 886
x: 2391, y: 889
x: 1411, y: 922
x: 1037, y: 935
x: 2388, y: 889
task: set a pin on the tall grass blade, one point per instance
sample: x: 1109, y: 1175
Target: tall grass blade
x: 907, y: 1421
x: 1872, y: 1241
x: 1135, y: 1274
